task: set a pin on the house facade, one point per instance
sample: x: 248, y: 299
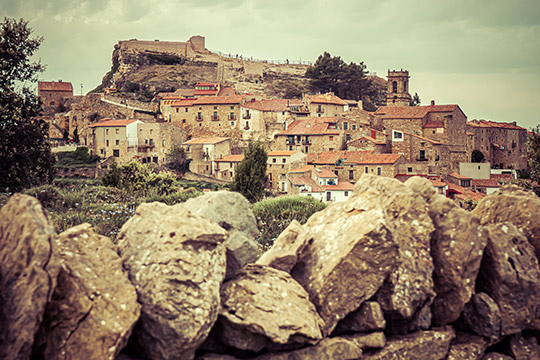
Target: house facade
x: 53, y: 93
x: 310, y: 135
x: 278, y: 165
x: 203, y: 153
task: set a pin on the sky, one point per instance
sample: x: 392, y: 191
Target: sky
x: 483, y: 55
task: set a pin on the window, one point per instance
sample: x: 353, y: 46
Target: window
x: 101, y: 151
x: 351, y: 174
x: 354, y: 126
x: 215, y: 107
x: 155, y: 159
x: 379, y: 171
x: 116, y: 153
x: 117, y: 142
x: 366, y: 170
x: 151, y: 131
x: 284, y: 160
x: 183, y: 121
x: 422, y: 144
x: 346, y: 193
x: 215, y: 115
x: 107, y: 142
x: 336, y: 172
x: 163, y: 143
x: 232, y: 107
x: 106, y: 131
x: 118, y: 131
x: 397, y: 135
x: 331, y: 138
x: 176, y: 109
x: 409, y: 170
x: 394, y: 86
x: 199, y: 115
x: 270, y: 176
x: 273, y: 160
x: 345, y: 126
x: 232, y: 116
x: 186, y: 109
x: 422, y: 154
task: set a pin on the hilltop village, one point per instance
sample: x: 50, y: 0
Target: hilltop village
x: 318, y: 145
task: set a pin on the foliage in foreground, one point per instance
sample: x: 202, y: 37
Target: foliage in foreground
x: 81, y: 157
x: 274, y: 215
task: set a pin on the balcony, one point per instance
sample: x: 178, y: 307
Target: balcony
x: 247, y: 116
x: 306, y: 142
x: 215, y: 118
x: 289, y: 142
x: 232, y: 117
x: 422, y: 158
x: 320, y: 111
x: 198, y: 118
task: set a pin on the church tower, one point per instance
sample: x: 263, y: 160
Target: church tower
x: 398, y: 88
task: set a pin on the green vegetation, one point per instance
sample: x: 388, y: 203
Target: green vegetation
x: 25, y: 155
x: 533, y: 156
x: 274, y: 215
x: 251, y: 173
x: 75, y: 159
x: 348, y: 81
x: 415, y: 101
x: 176, y: 159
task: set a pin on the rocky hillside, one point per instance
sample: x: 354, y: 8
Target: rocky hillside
x: 146, y: 72
x: 396, y: 272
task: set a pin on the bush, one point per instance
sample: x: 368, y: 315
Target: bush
x: 274, y: 215
x: 81, y: 156
x: 139, y: 178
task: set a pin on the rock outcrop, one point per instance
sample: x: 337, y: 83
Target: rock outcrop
x: 94, y: 306
x: 263, y: 305
x: 176, y: 260
x: 27, y: 273
x: 232, y: 212
x: 283, y: 255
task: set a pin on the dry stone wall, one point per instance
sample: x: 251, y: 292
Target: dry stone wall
x: 395, y: 272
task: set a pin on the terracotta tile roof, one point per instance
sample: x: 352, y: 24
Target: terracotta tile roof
x: 326, y: 99
x: 208, y: 140
x: 474, y: 196
x: 310, y: 126
x: 305, y: 181
x: 55, y: 86
x: 437, y: 183
x: 205, y: 92
x: 183, y: 103
x: 232, y: 158
x: 459, y: 176
x: 493, y: 124
x: 303, y: 169
x: 502, y: 177
x: 412, y: 112
x: 112, y: 123
x: 342, y: 185
x: 493, y: 182
x: 282, y: 153
x: 352, y: 157
x: 219, y: 100
x: 324, y: 173
x: 455, y: 188
x: 434, y: 124
x: 272, y: 104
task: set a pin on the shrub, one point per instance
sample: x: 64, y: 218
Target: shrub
x: 274, y: 215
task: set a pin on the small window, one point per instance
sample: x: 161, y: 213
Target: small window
x: 273, y: 160
x: 232, y: 107
x: 186, y: 109
x: 116, y: 153
x: 379, y: 171
x: 366, y: 170
x: 118, y: 131
x: 354, y: 126
x: 331, y: 138
x: 176, y: 109
x: 215, y: 107
x: 117, y: 142
x: 346, y: 193
x: 284, y: 160
x: 345, y: 126
x: 183, y: 121
x: 409, y: 170
x: 397, y: 135
x: 107, y: 142
x: 106, y: 131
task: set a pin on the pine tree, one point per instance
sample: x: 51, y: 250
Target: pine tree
x: 25, y: 155
x: 250, y: 174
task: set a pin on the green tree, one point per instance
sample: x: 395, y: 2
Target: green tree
x: 415, y: 101
x: 138, y: 178
x: 331, y: 73
x: 533, y: 156
x: 176, y: 159
x: 250, y: 174
x: 25, y: 155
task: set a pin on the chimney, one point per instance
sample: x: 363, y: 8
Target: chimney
x: 432, y: 102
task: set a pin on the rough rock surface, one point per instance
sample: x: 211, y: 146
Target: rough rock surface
x: 457, y: 246
x: 350, y: 252
x: 524, y: 348
x: 286, y: 249
x: 94, y: 306
x: 372, y: 340
x: 496, y: 356
x: 368, y: 317
x: 27, y: 273
x: 265, y: 304
x: 231, y: 211
x: 513, y: 204
x: 408, y: 292
x: 482, y: 316
x: 176, y: 260
x: 421, y: 345
x: 510, y: 275
x: 327, y: 349
x: 467, y: 347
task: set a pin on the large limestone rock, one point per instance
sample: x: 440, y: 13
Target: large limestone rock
x: 27, y: 273
x: 176, y: 260
x: 286, y: 249
x: 422, y: 345
x: 467, y: 347
x: 327, y: 349
x: 368, y: 317
x: 483, y: 317
x: 515, y: 205
x: 350, y: 252
x: 510, y: 275
x: 263, y: 305
x: 524, y: 348
x: 231, y: 211
x: 457, y: 246
x: 94, y: 307
x: 407, y: 293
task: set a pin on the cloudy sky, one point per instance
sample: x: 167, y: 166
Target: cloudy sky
x: 481, y: 54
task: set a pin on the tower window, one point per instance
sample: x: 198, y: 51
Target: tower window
x: 394, y: 86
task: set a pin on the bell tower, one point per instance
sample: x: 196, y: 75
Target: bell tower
x: 397, y: 93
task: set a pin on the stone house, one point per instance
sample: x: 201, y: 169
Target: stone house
x: 367, y: 143
x: 319, y: 183
x: 354, y: 123
x: 133, y: 139
x: 325, y: 105
x: 203, y: 153
x: 310, y: 135
x: 54, y: 93
x: 279, y: 163
x: 350, y: 165
x: 226, y: 167
x: 504, y: 145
